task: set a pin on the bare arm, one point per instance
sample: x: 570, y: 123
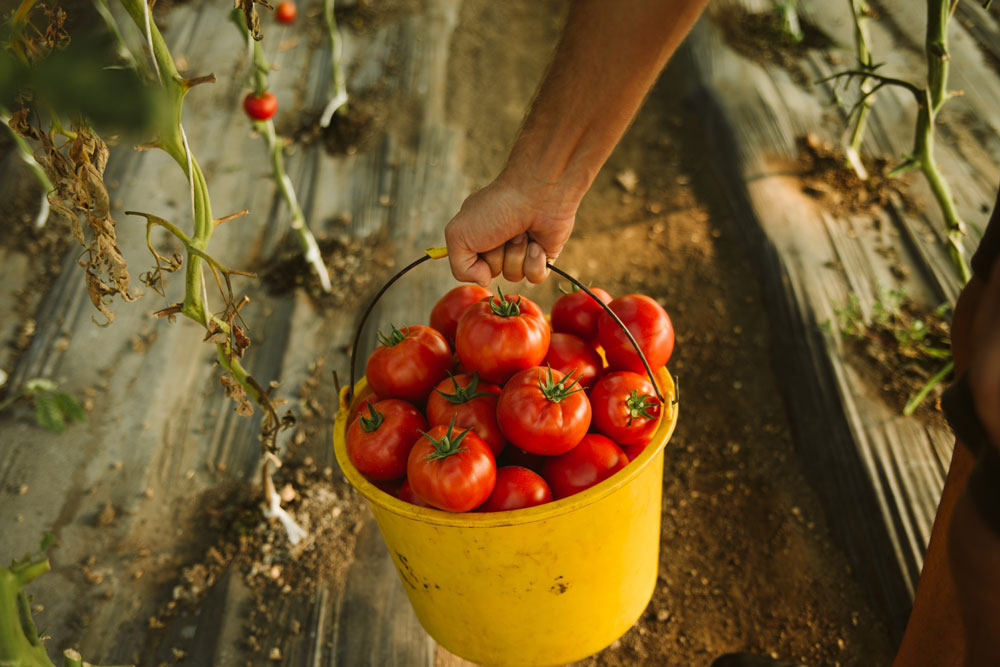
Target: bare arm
x: 608, y: 58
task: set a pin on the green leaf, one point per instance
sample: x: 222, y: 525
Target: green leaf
x: 48, y: 539
x: 71, y: 408
x: 47, y: 413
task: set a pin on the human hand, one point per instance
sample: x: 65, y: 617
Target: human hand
x: 509, y: 229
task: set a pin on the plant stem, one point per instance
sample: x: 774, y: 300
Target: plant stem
x: 310, y: 248
x: 24, y: 150
x: 936, y: 45
x: 859, y: 10
x: 338, y: 103
x: 919, y: 397
x: 307, y: 241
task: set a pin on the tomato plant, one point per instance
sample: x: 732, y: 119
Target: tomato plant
x: 262, y: 106
x: 577, y: 313
x: 285, y: 12
x: 471, y: 404
x: 379, y: 443
x: 449, y: 308
x: 540, y: 411
x: 625, y: 407
x: 516, y: 488
x: 592, y: 461
x: 502, y: 335
x: 455, y: 473
x: 573, y: 356
x: 408, y: 363
x: 648, y: 323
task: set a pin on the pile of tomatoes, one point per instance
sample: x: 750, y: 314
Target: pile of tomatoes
x: 494, y: 408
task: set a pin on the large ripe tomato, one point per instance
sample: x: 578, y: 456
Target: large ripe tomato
x: 569, y: 354
x: 649, y: 324
x: 502, y: 335
x: 449, y: 308
x: 592, y: 461
x: 408, y: 363
x: 379, y: 443
x: 516, y: 488
x: 472, y: 404
x: 633, y: 451
x: 625, y: 407
x: 452, y: 471
x: 543, y: 412
x: 260, y: 107
x: 576, y: 313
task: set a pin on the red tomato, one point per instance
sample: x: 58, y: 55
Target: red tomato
x: 471, y: 404
x: 449, y: 308
x: 406, y: 494
x: 632, y: 451
x: 516, y: 488
x: 452, y: 471
x: 592, y: 461
x: 260, y: 107
x: 543, y: 412
x: 502, y: 335
x: 408, y: 363
x: 515, y: 456
x: 379, y: 443
x: 625, y: 407
x: 649, y: 324
x: 285, y: 12
x: 569, y: 354
x: 576, y: 313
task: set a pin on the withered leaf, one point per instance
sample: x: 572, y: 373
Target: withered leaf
x: 235, y: 391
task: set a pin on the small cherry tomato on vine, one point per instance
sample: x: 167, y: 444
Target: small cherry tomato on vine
x: 379, y: 443
x: 260, y: 107
x: 625, y: 407
x: 472, y: 404
x: 648, y: 323
x: 502, y: 335
x: 449, y: 308
x: 569, y: 354
x: 454, y: 472
x: 592, y: 461
x: 516, y: 488
x: 285, y: 12
x: 408, y: 363
x: 576, y: 313
x: 542, y: 411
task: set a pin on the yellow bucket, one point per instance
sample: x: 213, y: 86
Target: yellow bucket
x: 546, y: 585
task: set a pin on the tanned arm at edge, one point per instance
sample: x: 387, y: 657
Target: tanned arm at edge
x: 608, y: 58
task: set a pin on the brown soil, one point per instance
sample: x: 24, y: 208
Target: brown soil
x: 760, y: 36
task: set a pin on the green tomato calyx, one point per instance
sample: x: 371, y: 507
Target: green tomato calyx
x: 556, y: 391
x: 504, y: 308
x: 639, y: 405
x: 448, y: 444
x: 371, y: 423
x: 463, y: 394
x: 395, y: 337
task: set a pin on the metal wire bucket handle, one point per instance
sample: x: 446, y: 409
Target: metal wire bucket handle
x: 437, y: 253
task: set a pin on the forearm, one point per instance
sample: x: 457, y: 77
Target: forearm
x: 608, y: 58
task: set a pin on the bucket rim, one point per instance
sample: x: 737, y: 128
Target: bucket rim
x: 385, y: 501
